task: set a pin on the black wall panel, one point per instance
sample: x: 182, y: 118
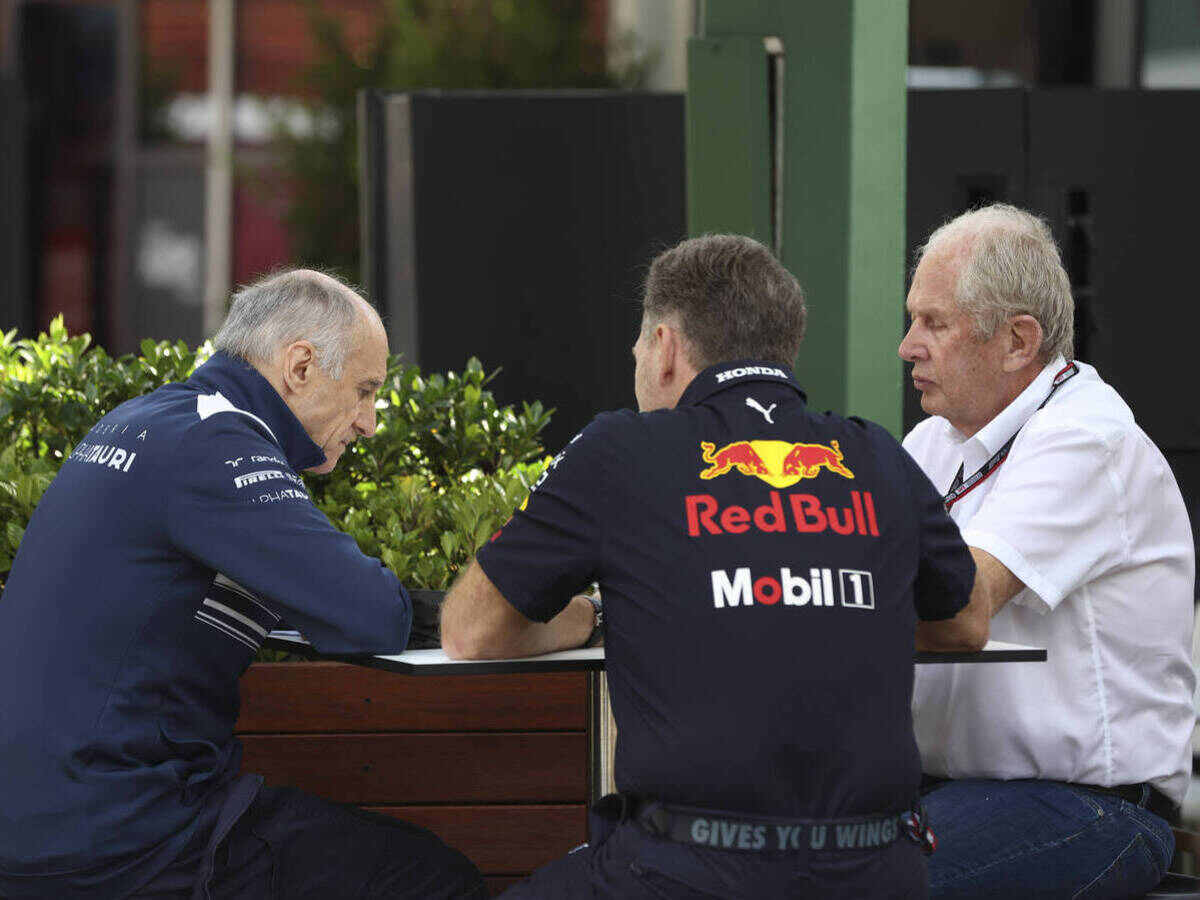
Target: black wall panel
x: 16, y: 309
x: 530, y: 219
x: 1130, y: 159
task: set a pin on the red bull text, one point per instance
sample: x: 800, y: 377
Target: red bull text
x: 804, y: 514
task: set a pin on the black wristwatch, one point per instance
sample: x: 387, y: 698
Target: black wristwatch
x: 597, y: 635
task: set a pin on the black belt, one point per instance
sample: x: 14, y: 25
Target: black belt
x: 1144, y: 795
x: 724, y: 831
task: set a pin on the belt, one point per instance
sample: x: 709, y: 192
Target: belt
x: 1144, y: 795
x: 725, y: 831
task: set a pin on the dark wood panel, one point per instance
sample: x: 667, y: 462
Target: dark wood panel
x: 326, y: 696
x: 502, y: 840
x: 497, y: 767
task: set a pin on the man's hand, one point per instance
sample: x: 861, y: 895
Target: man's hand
x: 478, y: 623
x: 994, y: 586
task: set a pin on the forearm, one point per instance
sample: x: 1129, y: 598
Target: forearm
x: 479, y: 623
x: 966, y: 631
x: 569, y: 629
x: 994, y: 586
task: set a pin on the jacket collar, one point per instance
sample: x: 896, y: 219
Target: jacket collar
x: 735, y: 373
x: 242, y: 385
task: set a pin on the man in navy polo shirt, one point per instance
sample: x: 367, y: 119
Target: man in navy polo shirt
x: 763, y: 569
x: 176, y: 534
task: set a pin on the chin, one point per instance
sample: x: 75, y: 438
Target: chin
x: 929, y: 406
x: 324, y: 468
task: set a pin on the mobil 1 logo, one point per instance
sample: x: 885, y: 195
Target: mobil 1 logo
x: 858, y: 588
x: 819, y: 587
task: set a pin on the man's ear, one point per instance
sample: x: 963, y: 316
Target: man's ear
x: 1024, y: 342
x: 666, y: 340
x: 299, y: 366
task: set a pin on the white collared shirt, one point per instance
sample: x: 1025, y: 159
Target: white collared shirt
x: 1086, y: 513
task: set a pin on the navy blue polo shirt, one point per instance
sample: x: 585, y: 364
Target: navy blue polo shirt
x: 174, y: 537
x: 763, y: 568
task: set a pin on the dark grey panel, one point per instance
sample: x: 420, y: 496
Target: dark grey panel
x: 16, y: 301
x: 1130, y: 157
x: 518, y: 228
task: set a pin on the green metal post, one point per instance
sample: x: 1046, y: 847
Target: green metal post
x: 728, y: 137
x: 840, y: 222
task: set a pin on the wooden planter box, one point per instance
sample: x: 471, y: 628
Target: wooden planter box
x: 496, y: 765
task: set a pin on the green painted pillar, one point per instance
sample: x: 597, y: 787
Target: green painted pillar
x: 835, y: 154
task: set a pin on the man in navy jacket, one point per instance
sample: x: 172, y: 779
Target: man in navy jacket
x: 174, y: 537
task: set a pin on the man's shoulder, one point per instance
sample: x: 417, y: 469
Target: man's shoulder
x: 616, y: 421
x: 1087, y: 404
x: 1086, y: 415
x: 623, y: 426
x: 173, y: 423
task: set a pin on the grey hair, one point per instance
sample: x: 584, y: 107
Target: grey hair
x: 734, y: 300
x: 1013, y: 267
x: 301, y: 304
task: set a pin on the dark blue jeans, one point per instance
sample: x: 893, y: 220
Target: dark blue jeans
x: 624, y: 861
x: 290, y: 845
x: 1042, y: 839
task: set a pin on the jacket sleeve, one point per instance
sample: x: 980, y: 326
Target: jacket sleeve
x: 235, y: 506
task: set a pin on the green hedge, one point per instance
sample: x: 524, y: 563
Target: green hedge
x: 444, y: 471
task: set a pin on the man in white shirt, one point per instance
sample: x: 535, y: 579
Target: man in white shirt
x: 1054, y: 778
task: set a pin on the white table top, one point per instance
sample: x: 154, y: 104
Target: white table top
x: 436, y: 662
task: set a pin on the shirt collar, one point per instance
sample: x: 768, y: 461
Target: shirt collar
x: 243, y: 386
x: 733, y: 374
x: 988, y: 440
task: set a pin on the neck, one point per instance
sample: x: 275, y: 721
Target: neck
x: 1012, y: 387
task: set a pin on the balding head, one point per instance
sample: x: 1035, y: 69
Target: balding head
x: 320, y: 346
x: 301, y: 304
x: 1007, y: 264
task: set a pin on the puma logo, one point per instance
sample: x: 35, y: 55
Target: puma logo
x: 754, y: 404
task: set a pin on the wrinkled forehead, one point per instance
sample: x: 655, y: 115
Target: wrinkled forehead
x: 935, y: 282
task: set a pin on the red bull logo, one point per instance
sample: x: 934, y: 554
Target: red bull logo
x: 805, y: 514
x: 778, y: 463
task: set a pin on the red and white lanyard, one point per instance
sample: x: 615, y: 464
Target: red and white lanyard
x: 960, y: 488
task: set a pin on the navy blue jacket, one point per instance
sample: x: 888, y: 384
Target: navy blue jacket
x: 121, y: 646
x: 763, y: 568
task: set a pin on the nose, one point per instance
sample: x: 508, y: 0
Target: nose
x: 365, y: 422
x: 910, y: 349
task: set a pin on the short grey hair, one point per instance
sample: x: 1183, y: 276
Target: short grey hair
x: 301, y: 304
x: 1013, y: 267
x: 734, y: 300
